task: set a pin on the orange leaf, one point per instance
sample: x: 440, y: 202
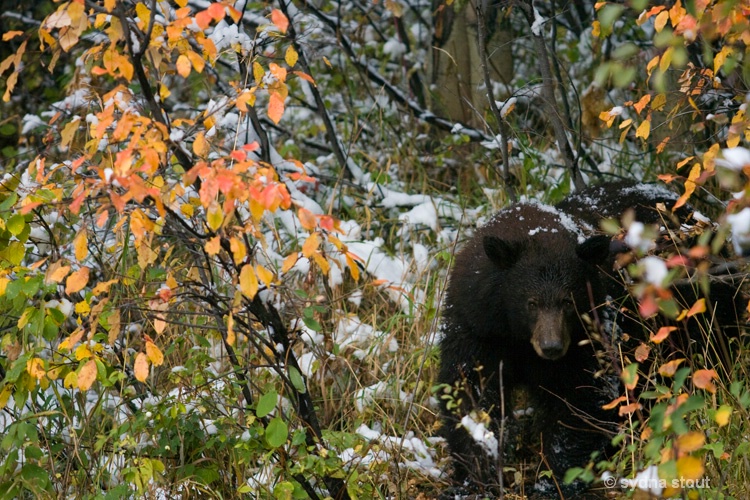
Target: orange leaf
x: 87, y: 375
x: 213, y: 246
x: 279, y: 20
x: 275, y: 107
x: 642, y: 103
x: 289, y: 262
x: 306, y: 218
x: 56, y: 272
x: 304, y: 76
x: 216, y: 10
x: 662, y: 334
x: 154, y: 353
x: 628, y: 409
x: 642, y: 352
x: 77, y: 281
x: 140, y: 367
x: 702, y: 379
x: 614, y: 403
x: 203, y: 19
x: 668, y: 369
x: 698, y: 308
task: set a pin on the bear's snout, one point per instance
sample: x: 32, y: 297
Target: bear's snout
x: 551, y: 335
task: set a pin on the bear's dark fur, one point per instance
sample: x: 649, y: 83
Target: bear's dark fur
x: 514, y: 296
x: 611, y: 200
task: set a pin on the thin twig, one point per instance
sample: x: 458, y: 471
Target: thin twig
x: 507, y: 181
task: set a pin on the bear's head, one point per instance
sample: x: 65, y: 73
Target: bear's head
x: 548, y: 282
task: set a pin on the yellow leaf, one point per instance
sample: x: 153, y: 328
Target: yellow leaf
x: 103, y: 287
x: 35, y: 368
x: 187, y: 210
x: 183, y: 66
x: 213, y: 246
x: 83, y: 352
x: 321, y: 262
x: 200, y: 145
x: 239, y: 250
x: 661, y: 20
x: 114, y: 327
x: 311, y: 245
x: 644, y: 129
x: 144, y: 14
x: 291, y: 56
x: 690, y: 468
x: 68, y: 133
x: 154, y: 354
x: 264, y: 274
x: 81, y: 245
x: 721, y: 57
x: 723, y: 415
x: 690, y: 442
x: 71, y: 380
x: 666, y: 59
x: 258, y: 72
x: 77, y: 281
x: 87, y: 375
x: 196, y: 60
x: 289, y: 262
x: 5, y: 395
x: 215, y: 216
x: 353, y: 267
x: 3, y: 285
x: 248, y: 281
x: 140, y: 367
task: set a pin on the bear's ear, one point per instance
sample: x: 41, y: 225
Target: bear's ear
x: 594, y: 250
x: 501, y: 252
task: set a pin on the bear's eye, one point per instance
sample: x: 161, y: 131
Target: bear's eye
x: 568, y: 303
x: 532, y: 305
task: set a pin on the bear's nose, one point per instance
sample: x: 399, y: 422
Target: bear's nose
x: 552, y: 349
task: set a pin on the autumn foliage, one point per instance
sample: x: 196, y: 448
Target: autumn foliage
x: 199, y: 200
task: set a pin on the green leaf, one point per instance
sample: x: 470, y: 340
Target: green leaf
x: 276, y: 432
x: 266, y: 404
x: 297, y: 381
x: 283, y: 490
x: 15, y: 224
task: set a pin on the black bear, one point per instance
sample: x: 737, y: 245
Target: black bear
x: 515, y: 296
